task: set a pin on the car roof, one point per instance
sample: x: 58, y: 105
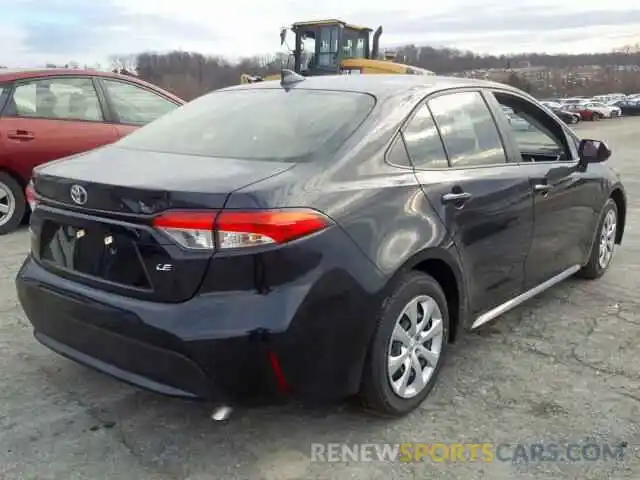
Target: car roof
x: 379, y: 85
x: 11, y: 75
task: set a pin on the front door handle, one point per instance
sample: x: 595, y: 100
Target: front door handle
x: 456, y: 197
x: 542, y: 187
x: 21, y: 135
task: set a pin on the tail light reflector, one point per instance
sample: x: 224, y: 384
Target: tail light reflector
x: 193, y: 230
x: 30, y: 195
x: 239, y: 229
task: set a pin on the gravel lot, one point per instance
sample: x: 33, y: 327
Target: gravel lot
x: 562, y: 368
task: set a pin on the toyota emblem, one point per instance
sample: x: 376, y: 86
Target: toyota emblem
x: 79, y: 194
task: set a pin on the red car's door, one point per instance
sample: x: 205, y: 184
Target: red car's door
x: 50, y: 118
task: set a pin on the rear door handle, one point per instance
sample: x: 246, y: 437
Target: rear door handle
x: 456, y: 197
x: 21, y: 135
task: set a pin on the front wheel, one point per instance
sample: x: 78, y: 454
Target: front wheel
x: 596, y: 116
x: 604, y: 243
x: 13, y: 204
x: 408, y: 347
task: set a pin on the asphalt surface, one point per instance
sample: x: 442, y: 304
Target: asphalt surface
x: 562, y: 368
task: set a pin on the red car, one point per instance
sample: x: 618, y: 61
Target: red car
x: 584, y: 112
x: 53, y: 113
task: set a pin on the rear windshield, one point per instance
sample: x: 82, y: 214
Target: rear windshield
x: 259, y: 124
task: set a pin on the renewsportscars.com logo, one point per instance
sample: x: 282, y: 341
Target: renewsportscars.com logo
x: 468, y: 452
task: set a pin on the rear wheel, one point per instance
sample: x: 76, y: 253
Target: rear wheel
x: 407, y: 351
x: 596, y: 116
x: 604, y: 243
x: 12, y: 203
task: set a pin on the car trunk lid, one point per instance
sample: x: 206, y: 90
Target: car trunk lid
x: 105, y: 237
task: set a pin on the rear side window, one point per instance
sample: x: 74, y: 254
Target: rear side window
x: 423, y: 141
x: 468, y: 129
x: 259, y: 124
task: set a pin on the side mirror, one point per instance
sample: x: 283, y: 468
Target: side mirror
x: 283, y: 35
x: 593, y: 151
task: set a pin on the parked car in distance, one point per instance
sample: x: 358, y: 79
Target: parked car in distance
x: 573, y: 101
x: 603, y: 110
x: 53, y: 113
x: 629, y: 107
x: 331, y: 243
x: 514, y: 120
x: 551, y: 104
x: 567, y: 116
x: 585, y: 113
x: 564, y: 114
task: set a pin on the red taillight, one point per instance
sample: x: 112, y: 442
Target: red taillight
x: 30, y: 195
x: 238, y: 229
x: 246, y: 229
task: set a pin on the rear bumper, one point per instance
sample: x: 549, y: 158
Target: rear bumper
x: 219, y: 347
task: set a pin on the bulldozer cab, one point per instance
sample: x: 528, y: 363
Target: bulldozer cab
x: 320, y: 46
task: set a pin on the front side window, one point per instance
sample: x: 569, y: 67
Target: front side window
x: 538, y: 136
x: 135, y: 105
x: 257, y: 124
x: 468, y: 129
x: 56, y: 98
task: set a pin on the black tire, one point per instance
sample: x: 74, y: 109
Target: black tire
x: 376, y: 391
x: 14, y: 198
x: 596, y: 117
x: 594, y: 269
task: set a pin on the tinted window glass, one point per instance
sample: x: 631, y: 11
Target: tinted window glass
x: 468, y: 130
x: 136, y: 105
x: 4, y: 90
x: 538, y: 136
x: 423, y: 141
x: 56, y: 98
x: 397, y: 154
x: 264, y: 124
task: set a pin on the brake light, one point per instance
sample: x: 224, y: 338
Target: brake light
x: 238, y: 229
x: 30, y: 195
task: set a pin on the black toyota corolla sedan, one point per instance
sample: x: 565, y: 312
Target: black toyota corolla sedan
x: 316, y: 238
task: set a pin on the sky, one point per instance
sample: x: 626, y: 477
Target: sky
x: 35, y: 32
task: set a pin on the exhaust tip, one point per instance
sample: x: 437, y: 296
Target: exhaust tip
x: 221, y: 413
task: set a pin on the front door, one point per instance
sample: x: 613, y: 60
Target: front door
x: 485, y: 201
x: 566, y: 199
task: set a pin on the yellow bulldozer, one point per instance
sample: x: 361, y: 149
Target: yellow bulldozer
x: 331, y: 47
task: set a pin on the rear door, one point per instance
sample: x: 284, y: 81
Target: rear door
x: 484, y: 199
x: 133, y: 106
x: 48, y: 118
x: 567, y: 200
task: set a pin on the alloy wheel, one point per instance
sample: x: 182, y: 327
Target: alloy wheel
x: 607, y: 239
x: 415, y: 346
x: 7, y: 204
